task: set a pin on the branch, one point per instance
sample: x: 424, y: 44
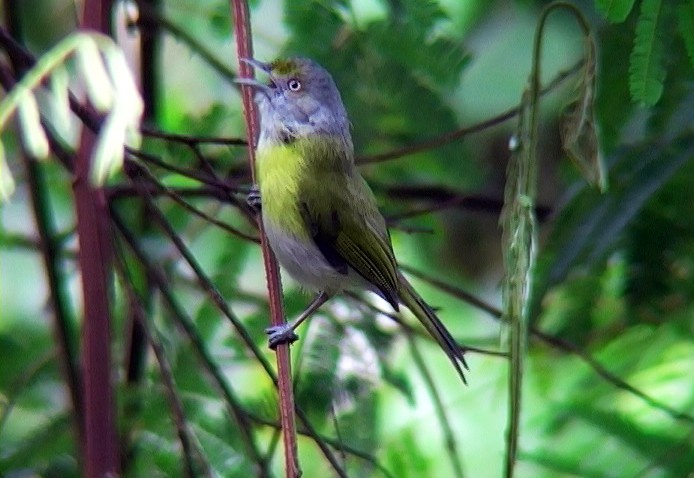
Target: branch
x: 49, y: 245
x: 186, y: 323
x: 206, y: 284
x: 337, y: 444
x: 242, y: 27
x: 410, y: 330
x: 150, y: 17
x: 443, y: 197
x: 101, y: 446
x: 192, y: 454
x: 160, y: 188
x: 192, y: 140
x: 456, y: 135
x: 557, y: 343
x: 440, y: 408
x: 63, y: 318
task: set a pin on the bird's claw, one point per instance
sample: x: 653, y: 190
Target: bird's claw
x: 280, y: 334
x: 253, y: 199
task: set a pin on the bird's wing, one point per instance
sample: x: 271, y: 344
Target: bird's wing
x: 347, y: 240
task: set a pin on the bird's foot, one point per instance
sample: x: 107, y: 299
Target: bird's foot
x: 280, y: 334
x: 253, y: 199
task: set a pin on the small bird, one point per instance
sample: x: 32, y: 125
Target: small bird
x: 318, y: 212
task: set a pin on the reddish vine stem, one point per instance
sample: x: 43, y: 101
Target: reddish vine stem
x: 244, y: 46
x: 101, y: 446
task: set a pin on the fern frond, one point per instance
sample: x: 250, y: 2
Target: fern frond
x: 616, y: 11
x: 646, y: 71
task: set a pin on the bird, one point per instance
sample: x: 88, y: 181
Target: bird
x: 319, y: 214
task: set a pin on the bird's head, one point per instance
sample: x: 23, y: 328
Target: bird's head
x: 298, y: 99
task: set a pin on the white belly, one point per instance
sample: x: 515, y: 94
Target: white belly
x: 305, y: 263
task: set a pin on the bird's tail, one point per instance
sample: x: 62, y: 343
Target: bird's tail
x: 411, y: 299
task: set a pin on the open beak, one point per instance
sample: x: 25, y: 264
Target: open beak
x: 257, y: 64
x: 252, y: 81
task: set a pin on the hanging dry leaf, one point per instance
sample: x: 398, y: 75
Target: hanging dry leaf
x: 578, y: 132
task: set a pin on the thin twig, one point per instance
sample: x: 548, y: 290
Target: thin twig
x: 453, y: 291
x: 608, y: 376
x: 216, y: 297
x: 189, y: 173
x: 191, y: 453
x: 557, y: 343
x: 205, y: 282
x: 444, y: 421
x: 337, y: 444
x: 187, y: 206
x: 120, y: 191
x: 409, y: 329
x: 186, y: 324
x: 63, y: 318
x: 161, y: 220
x: 452, y: 136
x: 159, y: 279
x: 445, y: 198
x: 191, y: 140
x: 149, y: 16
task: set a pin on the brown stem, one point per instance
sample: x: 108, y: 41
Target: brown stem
x: 192, y: 140
x: 242, y: 27
x: 101, y: 445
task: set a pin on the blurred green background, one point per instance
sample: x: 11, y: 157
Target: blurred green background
x: 609, y: 384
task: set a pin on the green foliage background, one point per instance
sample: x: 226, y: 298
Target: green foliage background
x: 614, y: 282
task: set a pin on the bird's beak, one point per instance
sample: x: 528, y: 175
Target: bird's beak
x: 252, y: 81
x: 257, y: 64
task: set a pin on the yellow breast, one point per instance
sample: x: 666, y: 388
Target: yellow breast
x: 278, y: 170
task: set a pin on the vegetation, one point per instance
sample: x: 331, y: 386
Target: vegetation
x: 579, y: 316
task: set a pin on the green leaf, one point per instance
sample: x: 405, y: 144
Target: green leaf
x: 646, y: 71
x: 616, y: 11
x: 685, y: 15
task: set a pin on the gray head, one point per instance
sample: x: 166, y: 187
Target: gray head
x: 299, y: 99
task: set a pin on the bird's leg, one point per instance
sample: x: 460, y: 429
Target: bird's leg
x: 253, y: 199
x: 284, y: 334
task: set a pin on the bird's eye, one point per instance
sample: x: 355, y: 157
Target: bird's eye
x: 294, y: 85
